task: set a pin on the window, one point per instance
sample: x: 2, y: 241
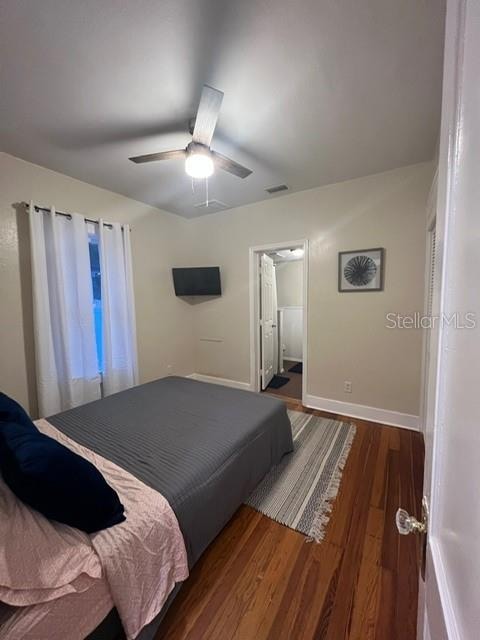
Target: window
x: 97, y: 291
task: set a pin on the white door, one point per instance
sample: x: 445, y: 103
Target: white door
x: 267, y: 319
x: 452, y: 438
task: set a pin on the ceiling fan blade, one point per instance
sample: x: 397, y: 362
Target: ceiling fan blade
x: 162, y: 155
x: 222, y: 162
x: 207, y: 115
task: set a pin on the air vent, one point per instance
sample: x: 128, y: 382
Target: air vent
x: 212, y: 205
x: 280, y: 187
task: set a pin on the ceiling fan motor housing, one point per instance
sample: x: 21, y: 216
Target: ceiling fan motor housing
x: 196, y: 147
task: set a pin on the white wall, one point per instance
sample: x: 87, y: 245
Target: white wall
x: 289, y: 276
x: 348, y: 339
x: 292, y: 333
x: 290, y: 283
x: 164, y: 322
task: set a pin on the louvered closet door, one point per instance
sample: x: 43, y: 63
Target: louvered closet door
x: 432, y: 272
x: 428, y: 312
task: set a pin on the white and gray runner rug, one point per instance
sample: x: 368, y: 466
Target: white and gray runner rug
x: 300, y: 491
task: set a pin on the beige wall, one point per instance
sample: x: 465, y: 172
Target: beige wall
x: 164, y: 322
x: 347, y: 337
x: 289, y: 277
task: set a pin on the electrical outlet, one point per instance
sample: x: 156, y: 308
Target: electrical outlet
x: 347, y: 386
x: 169, y: 368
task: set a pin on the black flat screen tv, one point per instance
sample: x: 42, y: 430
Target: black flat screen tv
x: 197, y: 281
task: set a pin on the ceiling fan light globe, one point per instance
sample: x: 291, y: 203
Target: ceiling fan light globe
x: 199, y: 165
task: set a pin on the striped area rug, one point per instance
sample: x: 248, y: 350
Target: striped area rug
x: 300, y: 491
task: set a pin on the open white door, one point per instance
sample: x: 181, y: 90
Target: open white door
x: 451, y: 594
x: 266, y: 319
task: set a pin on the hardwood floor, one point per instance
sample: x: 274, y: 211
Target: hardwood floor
x: 262, y: 581
x: 293, y: 388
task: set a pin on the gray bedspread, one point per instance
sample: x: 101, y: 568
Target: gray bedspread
x: 204, y: 447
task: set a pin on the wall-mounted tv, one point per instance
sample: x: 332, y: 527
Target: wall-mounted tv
x: 197, y: 281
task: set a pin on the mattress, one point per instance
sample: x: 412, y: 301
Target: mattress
x: 204, y: 447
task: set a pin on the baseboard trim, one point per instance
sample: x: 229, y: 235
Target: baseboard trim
x: 363, y: 412
x: 226, y: 382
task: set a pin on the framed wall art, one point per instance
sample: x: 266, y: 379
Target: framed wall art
x: 361, y: 270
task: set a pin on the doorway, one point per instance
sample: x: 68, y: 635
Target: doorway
x: 278, y: 288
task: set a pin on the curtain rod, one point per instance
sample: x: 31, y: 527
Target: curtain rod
x: 66, y: 215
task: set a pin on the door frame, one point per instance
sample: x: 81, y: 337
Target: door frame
x: 254, y: 291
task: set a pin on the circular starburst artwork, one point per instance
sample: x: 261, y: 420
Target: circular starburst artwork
x: 360, y: 271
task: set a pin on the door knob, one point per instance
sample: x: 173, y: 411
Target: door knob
x: 409, y: 524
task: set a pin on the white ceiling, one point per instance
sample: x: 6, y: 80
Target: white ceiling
x: 284, y: 255
x: 316, y: 91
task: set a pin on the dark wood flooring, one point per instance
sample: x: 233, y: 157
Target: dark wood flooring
x: 261, y: 581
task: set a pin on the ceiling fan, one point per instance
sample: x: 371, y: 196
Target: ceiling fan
x: 200, y: 160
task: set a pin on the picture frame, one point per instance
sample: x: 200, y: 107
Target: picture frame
x: 361, y: 270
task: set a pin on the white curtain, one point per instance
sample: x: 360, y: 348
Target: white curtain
x: 277, y: 365
x: 120, y: 364
x: 65, y: 351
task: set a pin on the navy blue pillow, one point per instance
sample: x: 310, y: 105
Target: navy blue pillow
x: 11, y: 411
x: 60, y: 484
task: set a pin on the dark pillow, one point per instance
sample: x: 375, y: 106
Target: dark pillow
x: 11, y: 411
x: 60, y: 484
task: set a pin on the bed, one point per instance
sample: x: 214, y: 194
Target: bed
x: 204, y: 447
